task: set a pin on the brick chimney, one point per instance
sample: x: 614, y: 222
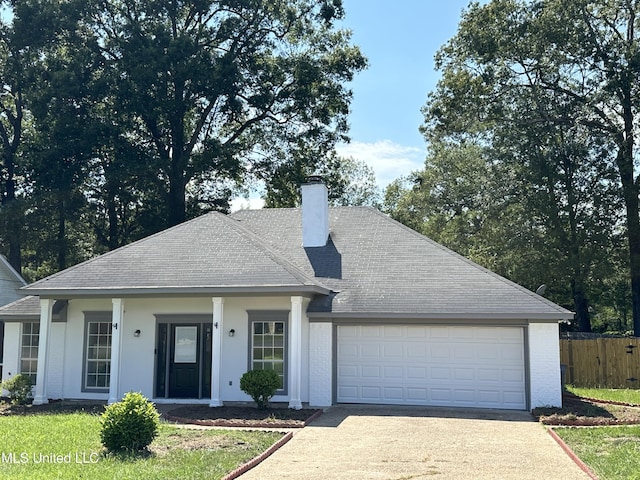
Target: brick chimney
x: 315, y: 212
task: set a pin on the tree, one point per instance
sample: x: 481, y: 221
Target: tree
x: 574, y: 64
x: 350, y: 183
x: 14, y: 57
x: 222, y: 90
x: 534, y: 208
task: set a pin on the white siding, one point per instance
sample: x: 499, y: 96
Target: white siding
x: 11, y: 357
x: 55, y: 370
x: 544, y: 365
x: 138, y: 353
x: 320, y: 361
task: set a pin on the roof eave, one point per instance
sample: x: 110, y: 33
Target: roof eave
x: 229, y: 291
x: 530, y: 316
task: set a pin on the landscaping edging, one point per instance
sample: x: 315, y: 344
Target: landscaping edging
x: 231, y: 423
x: 245, y: 467
x: 583, y: 466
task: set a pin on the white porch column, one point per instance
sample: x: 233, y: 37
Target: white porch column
x: 216, y: 351
x: 46, y: 312
x: 117, y: 318
x: 295, y: 353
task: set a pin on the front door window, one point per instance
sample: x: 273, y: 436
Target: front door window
x: 183, y: 358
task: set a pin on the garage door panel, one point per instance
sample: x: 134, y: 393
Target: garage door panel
x: 432, y: 365
x: 414, y: 373
x: 347, y: 371
x: 516, y: 376
x: 440, y: 373
x: 488, y: 374
x: 391, y: 350
x: 394, y: 373
x: 371, y: 331
x: 371, y: 393
x: 391, y: 393
x: 393, y: 332
x: 464, y: 374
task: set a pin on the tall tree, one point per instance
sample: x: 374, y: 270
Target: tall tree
x: 14, y: 59
x: 581, y: 54
x: 349, y: 181
x: 219, y: 90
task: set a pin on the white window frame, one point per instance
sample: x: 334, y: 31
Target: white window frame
x: 32, y: 344
x: 274, y: 341
x: 96, y: 354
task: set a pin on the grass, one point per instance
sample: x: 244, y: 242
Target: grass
x: 616, y: 395
x: 67, y: 445
x: 611, y: 452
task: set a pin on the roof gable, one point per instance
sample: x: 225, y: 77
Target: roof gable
x: 10, y: 281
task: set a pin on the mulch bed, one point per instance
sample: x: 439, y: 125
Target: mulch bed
x: 584, y: 412
x: 54, y: 406
x: 235, y: 416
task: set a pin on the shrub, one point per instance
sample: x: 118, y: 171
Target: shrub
x: 260, y: 385
x: 129, y: 425
x: 19, y: 388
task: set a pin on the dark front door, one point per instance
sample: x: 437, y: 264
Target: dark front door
x: 184, y: 366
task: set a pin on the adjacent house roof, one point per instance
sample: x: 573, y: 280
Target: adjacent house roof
x: 371, y: 267
x: 10, y: 281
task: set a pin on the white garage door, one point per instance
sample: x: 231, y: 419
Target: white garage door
x: 432, y: 365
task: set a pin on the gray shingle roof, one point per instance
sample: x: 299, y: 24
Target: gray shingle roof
x: 211, y: 253
x: 379, y: 267
x: 373, y: 266
x: 28, y: 308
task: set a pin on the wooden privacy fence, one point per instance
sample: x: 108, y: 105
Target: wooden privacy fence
x: 601, y: 362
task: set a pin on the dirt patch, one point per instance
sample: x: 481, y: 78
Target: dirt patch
x: 234, y: 416
x: 577, y: 411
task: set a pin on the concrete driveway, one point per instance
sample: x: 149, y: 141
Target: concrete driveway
x: 401, y: 443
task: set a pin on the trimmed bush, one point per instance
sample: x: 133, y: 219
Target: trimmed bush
x: 129, y: 425
x: 19, y: 388
x: 260, y: 385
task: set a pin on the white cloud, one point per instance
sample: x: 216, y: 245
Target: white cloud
x: 389, y: 160
x: 242, y: 203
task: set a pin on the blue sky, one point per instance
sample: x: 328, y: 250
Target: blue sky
x: 400, y: 40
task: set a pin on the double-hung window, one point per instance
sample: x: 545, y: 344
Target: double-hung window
x: 268, y: 343
x: 97, y: 351
x: 29, y: 350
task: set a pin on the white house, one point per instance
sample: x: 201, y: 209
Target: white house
x: 347, y: 305
x: 10, y: 282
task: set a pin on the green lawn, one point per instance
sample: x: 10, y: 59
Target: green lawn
x: 611, y: 452
x: 52, y: 446
x: 617, y: 395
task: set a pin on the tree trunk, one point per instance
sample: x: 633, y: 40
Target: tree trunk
x: 13, y: 216
x: 582, y: 306
x: 62, y: 239
x: 112, y: 215
x: 177, y: 203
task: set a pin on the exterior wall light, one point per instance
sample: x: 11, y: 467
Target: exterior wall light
x: 232, y: 332
x: 136, y: 333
